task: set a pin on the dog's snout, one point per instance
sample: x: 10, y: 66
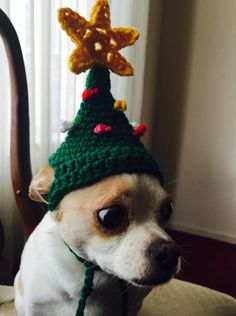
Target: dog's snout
x: 165, y: 253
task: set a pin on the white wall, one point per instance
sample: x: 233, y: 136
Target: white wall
x: 205, y: 162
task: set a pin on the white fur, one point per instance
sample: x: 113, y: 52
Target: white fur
x: 52, y: 278
x: 51, y: 275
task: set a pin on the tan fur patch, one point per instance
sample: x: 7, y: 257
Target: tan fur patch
x: 100, y: 195
x: 20, y: 286
x: 110, y: 191
x: 58, y: 215
x: 139, y: 194
x: 41, y: 184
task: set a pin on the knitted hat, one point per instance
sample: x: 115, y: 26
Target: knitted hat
x: 100, y: 143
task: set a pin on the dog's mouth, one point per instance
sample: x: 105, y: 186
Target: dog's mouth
x: 155, y: 279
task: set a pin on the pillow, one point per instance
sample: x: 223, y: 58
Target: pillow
x: 181, y: 298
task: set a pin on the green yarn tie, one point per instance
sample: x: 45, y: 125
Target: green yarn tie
x: 88, y: 286
x: 88, y: 282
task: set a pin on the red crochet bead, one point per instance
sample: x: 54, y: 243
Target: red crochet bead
x: 101, y: 128
x: 139, y: 130
x: 89, y: 94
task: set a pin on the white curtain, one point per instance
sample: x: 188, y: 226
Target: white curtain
x: 54, y: 92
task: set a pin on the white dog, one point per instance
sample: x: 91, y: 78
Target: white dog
x: 116, y: 224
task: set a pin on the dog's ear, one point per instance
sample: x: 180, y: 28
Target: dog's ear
x: 41, y: 184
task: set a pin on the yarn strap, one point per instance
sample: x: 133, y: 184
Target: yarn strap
x: 87, y: 288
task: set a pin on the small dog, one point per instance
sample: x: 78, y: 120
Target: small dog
x: 117, y: 224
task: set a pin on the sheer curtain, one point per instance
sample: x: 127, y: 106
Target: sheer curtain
x: 54, y: 92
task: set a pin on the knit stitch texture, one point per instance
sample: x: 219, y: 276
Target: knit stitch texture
x: 86, y: 157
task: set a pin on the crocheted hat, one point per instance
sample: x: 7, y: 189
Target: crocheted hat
x: 101, y: 142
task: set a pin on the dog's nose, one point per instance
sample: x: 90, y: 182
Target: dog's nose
x: 165, y: 253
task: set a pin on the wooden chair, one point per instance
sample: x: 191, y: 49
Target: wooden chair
x: 21, y: 175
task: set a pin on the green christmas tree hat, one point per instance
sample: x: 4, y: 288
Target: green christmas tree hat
x: 101, y: 142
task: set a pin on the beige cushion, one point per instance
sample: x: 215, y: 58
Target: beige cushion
x: 6, y: 301
x: 8, y: 309
x: 177, y: 298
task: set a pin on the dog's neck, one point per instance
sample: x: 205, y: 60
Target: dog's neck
x: 90, y: 269
x: 106, y: 291
x: 87, y: 288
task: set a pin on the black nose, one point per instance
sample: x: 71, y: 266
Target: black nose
x: 165, y: 253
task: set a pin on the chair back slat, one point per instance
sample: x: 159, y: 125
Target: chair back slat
x: 21, y: 175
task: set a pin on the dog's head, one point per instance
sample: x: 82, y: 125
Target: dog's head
x: 117, y: 223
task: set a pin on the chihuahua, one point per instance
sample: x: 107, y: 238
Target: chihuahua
x: 118, y: 225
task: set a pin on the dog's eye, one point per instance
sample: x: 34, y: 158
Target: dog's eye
x: 166, y: 210
x: 112, y: 217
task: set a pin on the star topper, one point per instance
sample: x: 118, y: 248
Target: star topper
x: 97, y: 43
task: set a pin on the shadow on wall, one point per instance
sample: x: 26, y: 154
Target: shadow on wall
x: 172, y: 79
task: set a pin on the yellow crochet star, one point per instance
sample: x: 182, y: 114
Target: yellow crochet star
x: 96, y: 42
